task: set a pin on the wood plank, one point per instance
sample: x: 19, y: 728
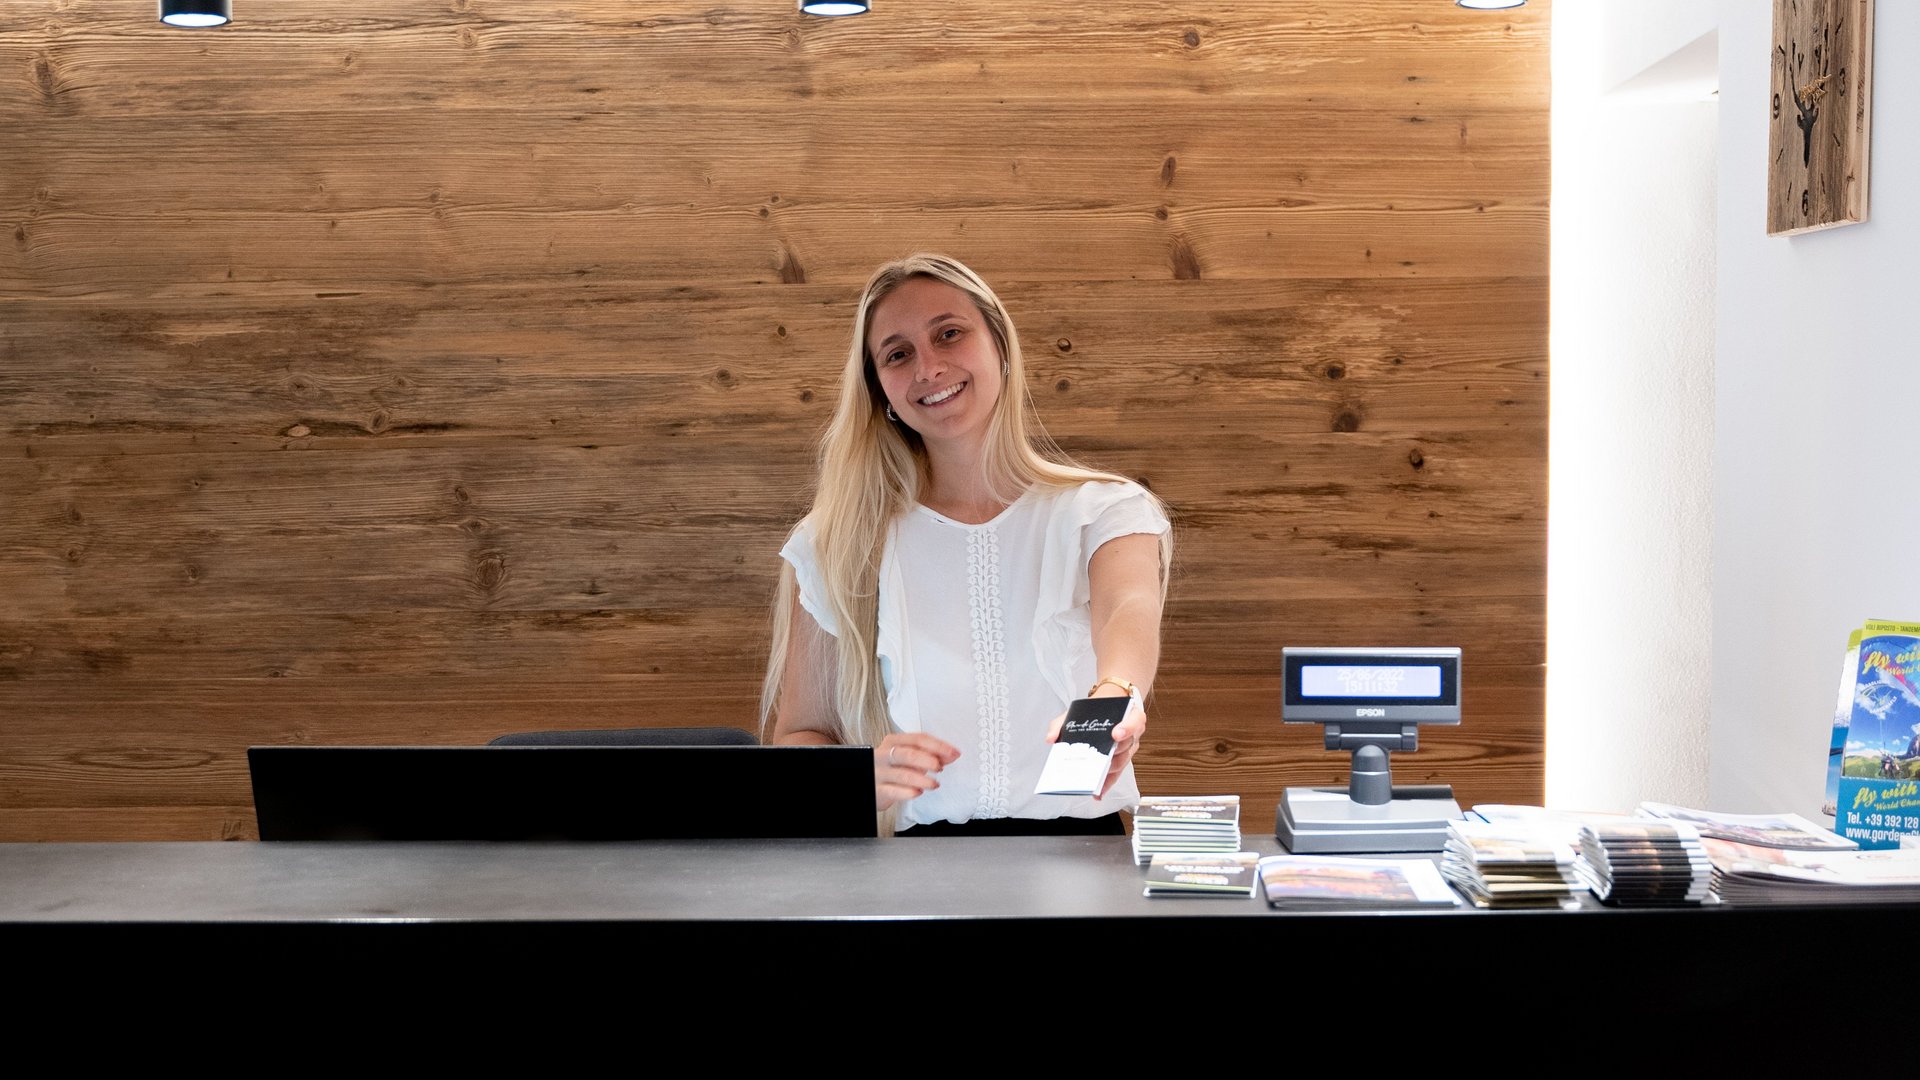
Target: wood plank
x: 715, y: 157
x: 89, y: 58
x: 1374, y: 327
x: 279, y: 531
x: 706, y: 642
x: 87, y: 824
x: 1281, y: 356
x: 182, y: 742
x: 73, y: 253
x: 395, y: 530
x: 357, y: 573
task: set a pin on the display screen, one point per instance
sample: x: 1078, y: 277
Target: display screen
x: 1369, y: 681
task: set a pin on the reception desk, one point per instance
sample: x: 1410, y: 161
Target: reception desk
x: 722, y: 913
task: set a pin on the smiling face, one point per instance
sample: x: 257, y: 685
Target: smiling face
x: 937, y: 362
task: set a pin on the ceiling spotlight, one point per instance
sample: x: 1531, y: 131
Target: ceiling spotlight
x: 1490, y: 5
x: 196, y: 12
x: 834, y: 7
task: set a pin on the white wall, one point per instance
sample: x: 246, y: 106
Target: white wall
x: 1815, y: 495
x: 1635, y: 37
x: 1629, y: 612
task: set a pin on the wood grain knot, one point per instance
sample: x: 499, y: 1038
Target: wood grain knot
x: 1186, y: 265
x: 1336, y: 371
x: 1064, y: 345
x: 791, y: 272
x: 298, y: 431
x: 1191, y: 38
x: 806, y: 396
x: 1166, y: 171
x: 46, y: 78
x: 1346, y: 421
x: 1417, y: 459
x: 489, y: 570
x: 1063, y: 385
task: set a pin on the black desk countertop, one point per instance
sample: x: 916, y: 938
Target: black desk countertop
x: 648, y: 881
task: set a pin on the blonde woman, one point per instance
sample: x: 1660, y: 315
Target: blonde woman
x: 959, y: 580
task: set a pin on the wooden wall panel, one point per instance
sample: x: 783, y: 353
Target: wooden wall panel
x: 413, y: 373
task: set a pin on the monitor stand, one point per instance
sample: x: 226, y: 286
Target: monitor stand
x: 1370, y: 816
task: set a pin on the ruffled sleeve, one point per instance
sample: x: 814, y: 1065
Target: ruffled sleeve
x: 799, y: 551
x: 896, y: 663
x: 1122, y: 511
x: 1083, y: 519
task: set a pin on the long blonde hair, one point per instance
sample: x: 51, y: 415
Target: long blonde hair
x: 871, y: 471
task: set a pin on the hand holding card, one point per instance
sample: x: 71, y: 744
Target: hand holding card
x: 1082, y: 756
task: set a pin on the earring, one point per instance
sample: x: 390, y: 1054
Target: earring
x: 890, y: 415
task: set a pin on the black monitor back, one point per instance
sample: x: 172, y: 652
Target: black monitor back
x: 561, y: 792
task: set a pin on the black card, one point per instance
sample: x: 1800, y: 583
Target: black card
x: 1092, y: 720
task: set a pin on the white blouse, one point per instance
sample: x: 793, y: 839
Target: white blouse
x: 985, y: 635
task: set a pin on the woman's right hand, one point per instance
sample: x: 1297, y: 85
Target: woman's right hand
x: 904, y: 765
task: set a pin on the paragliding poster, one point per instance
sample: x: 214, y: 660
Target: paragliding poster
x: 1879, y: 796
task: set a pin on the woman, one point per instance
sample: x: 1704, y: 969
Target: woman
x: 953, y: 588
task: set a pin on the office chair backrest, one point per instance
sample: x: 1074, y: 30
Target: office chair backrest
x: 671, y: 736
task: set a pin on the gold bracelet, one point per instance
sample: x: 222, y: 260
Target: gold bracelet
x: 1132, y: 690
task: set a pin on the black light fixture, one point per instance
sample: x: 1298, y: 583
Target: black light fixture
x: 1490, y: 5
x: 196, y: 12
x: 834, y: 7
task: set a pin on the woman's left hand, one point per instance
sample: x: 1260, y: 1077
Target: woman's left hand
x: 1126, y: 742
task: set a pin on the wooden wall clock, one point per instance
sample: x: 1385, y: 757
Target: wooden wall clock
x: 1820, y: 135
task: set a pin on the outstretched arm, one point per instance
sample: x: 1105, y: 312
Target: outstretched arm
x: 1123, y: 584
